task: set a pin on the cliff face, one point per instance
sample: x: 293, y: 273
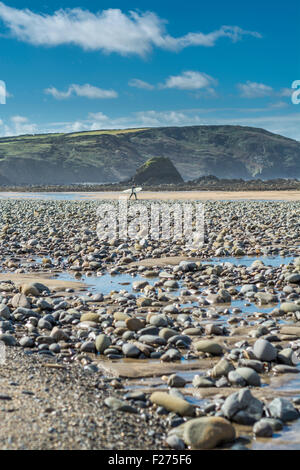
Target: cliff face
x: 157, y: 170
x: 111, y: 156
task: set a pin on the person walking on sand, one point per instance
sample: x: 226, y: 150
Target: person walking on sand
x: 133, y: 193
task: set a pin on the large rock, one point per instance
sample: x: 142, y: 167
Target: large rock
x: 249, y: 375
x: 35, y: 289
x: 294, y: 278
x: 20, y: 300
x: 264, y: 350
x: 288, y: 307
x: 283, y: 409
x: 287, y: 356
x: 172, y: 403
x: 223, y: 367
x: 200, y: 381
x: 242, y: 407
x: 208, y: 432
x: 157, y: 170
x: 290, y: 330
x: 210, y: 347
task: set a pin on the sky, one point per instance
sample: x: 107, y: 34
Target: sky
x: 71, y: 66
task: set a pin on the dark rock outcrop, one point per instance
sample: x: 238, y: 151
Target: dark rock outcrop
x: 157, y: 170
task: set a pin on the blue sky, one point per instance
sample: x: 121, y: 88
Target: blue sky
x: 71, y: 66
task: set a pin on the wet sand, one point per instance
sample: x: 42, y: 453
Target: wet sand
x: 46, y: 279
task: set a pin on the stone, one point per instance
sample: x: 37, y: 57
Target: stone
x: 288, y: 307
x: 285, y: 369
x: 119, y: 405
x: 276, y: 424
x: 152, y: 340
x: 59, y: 334
x: 171, y: 403
x: 175, y: 442
x: 134, y: 324
x: 167, y: 333
x: 176, y: 381
x: 242, y: 407
x: 8, y: 340
x: 224, y: 295
x: 88, y: 346
x: 171, y: 284
x: 200, y: 381
x: 158, y: 320
x: 55, y: 348
x: 251, y: 377
x: 139, y: 285
x: 265, y: 298
x: 44, y: 324
x: 264, y: 351
x: 212, y: 329
x: 293, y: 278
x: 143, y: 302
x: 102, y: 342
x: 26, y: 342
x: 236, y: 379
x: 262, y: 429
x: 210, y: 347
x: 258, y: 366
x: 187, y: 266
x: 282, y: 409
x: 4, y: 311
x: 30, y: 289
x: 290, y: 330
x: 130, y: 350
x: 248, y: 288
x: 223, y: 367
x: 20, y: 300
x: 90, y: 316
x: 34, y: 287
x: 288, y: 357
x: 193, y: 331
x: 208, y: 432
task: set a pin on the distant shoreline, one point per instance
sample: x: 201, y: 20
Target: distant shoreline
x: 206, y: 184
x: 164, y: 195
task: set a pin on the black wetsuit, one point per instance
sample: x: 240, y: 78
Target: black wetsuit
x: 133, y: 193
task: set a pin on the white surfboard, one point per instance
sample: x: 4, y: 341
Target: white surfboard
x: 128, y: 191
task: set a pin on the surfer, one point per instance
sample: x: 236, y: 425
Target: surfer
x: 133, y: 193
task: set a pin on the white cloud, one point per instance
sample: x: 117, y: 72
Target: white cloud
x: 190, y: 80
x: 283, y: 124
x: 255, y: 90
x: 109, y: 31
x: 136, y: 83
x: 86, y: 91
x: 286, y: 92
x: 19, y: 125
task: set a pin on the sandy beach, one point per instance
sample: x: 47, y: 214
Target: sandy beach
x: 163, y: 195
x: 204, y: 195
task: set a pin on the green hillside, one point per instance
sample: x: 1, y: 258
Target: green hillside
x: 115, y: 155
